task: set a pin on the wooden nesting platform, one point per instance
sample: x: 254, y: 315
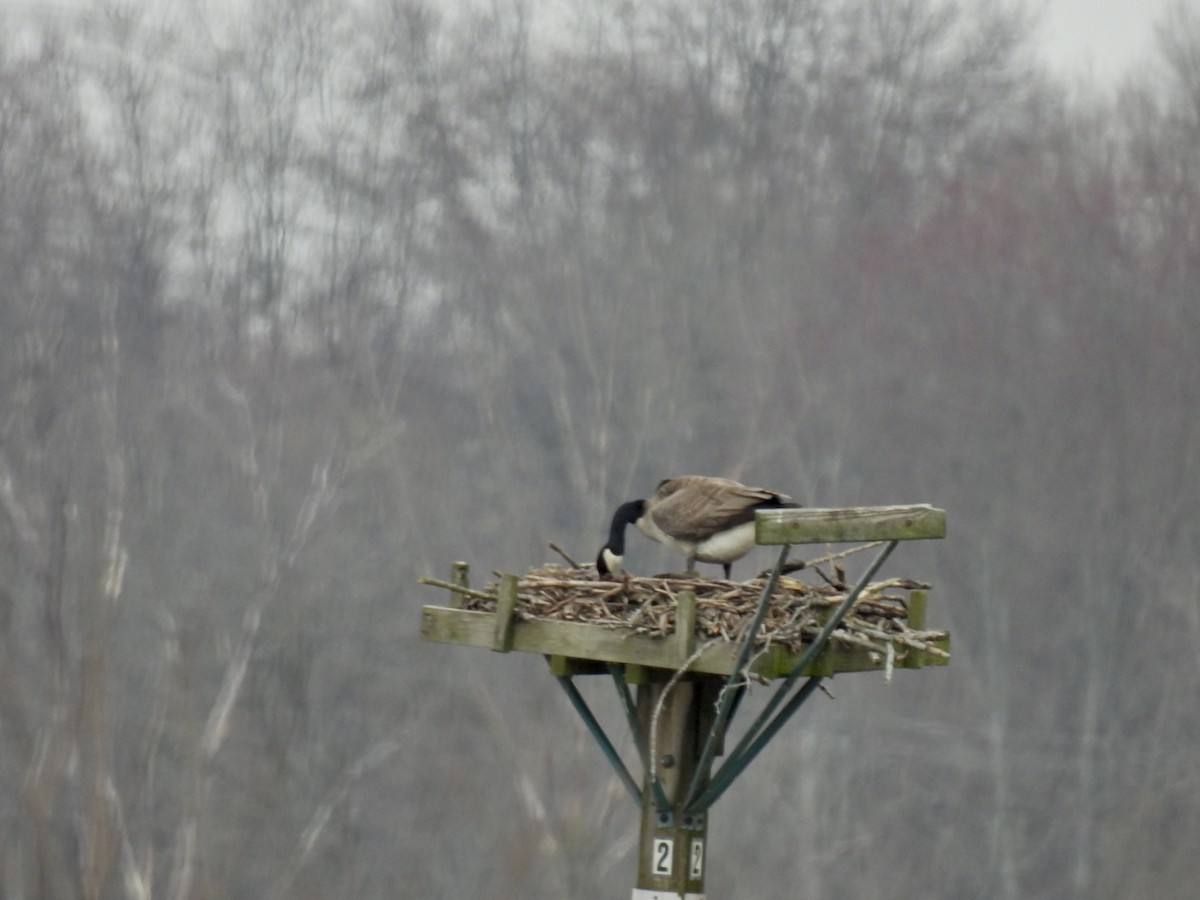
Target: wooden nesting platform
x: 585, y: 624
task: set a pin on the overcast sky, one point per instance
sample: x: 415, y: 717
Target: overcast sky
x: 1104, y: 38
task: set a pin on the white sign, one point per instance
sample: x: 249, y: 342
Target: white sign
x: 663, y: 856
x: 696, y: 859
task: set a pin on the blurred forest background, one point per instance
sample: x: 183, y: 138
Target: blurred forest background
x: 300, y: 304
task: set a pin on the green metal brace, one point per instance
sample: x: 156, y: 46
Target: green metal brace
x: 639, y: 739
x: 597, y: 731
x: 761, y: 732
x: 725, y: 702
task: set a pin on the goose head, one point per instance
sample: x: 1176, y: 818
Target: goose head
x: 612, y: 554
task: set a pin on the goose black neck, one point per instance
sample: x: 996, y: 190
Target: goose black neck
x: 626, y: 514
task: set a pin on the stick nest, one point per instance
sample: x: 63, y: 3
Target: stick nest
x: 724, y: 609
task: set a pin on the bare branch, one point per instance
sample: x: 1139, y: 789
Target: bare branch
x: 18, y: 514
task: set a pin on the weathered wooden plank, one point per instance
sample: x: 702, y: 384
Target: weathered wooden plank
x: 594, y: 642
x: 863, y: 523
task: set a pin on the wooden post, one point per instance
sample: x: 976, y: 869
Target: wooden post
x: 677, y: 712
x: 460, y: 574
x: 506, y: 604
x: 685, y: 625
x: 917, y: 601
x: 672, y: 849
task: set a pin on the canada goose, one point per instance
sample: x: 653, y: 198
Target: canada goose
x: 707, y: 519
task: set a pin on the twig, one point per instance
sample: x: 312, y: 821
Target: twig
x: 457, y: 588
x: 829, y: 581
x: 563, y: 553
x: 841, y: 554
x: 900, y: 638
